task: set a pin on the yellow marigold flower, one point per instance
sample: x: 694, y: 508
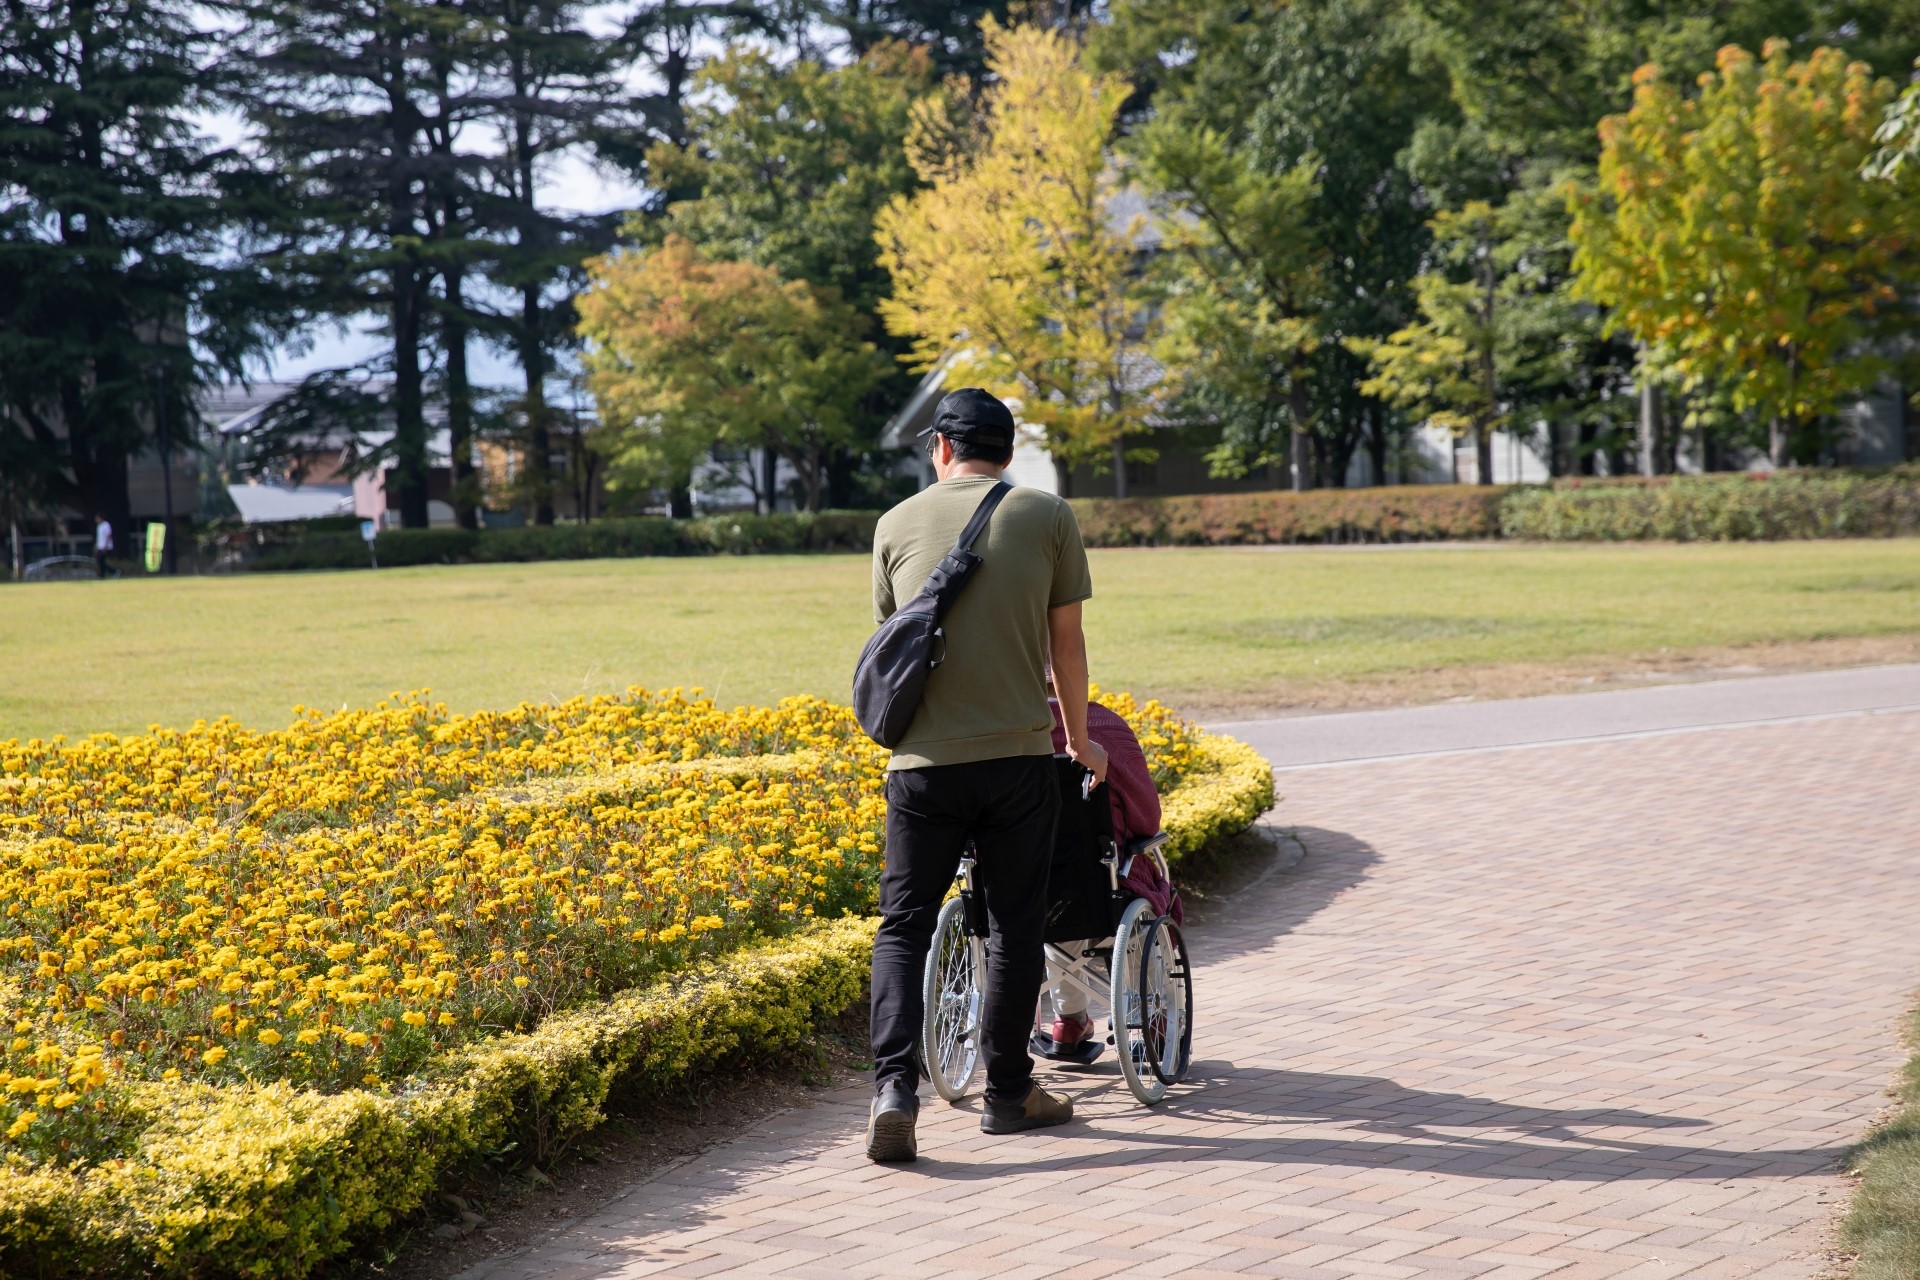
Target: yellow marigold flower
x: 214, y: 1056
x: 269, y: 1036
x: 414, y: 1018
x: 22, y: 1123
x: 65, y: 1100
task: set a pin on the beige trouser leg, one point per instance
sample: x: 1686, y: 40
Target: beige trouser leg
x: 1068, y: 999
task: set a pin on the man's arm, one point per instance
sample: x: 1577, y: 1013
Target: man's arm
x: 1067, y: 644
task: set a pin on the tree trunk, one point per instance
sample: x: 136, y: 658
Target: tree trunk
x: 1063, y: 476
x: 1777, y: 437
x: 1299, y: 409
x: 1377, y: 441
x: 409, y: 421
x: 1483, y: 453
x: 464, y: 493
x: 680, y: 501
x: 769, y: 479
x: 533, y: 362
x: 1119, y: 467
x: 1652, y: 424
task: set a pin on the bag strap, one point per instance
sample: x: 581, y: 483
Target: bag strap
x: 981, y: 514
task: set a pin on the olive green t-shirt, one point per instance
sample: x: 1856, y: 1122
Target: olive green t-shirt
x: 988, y: 699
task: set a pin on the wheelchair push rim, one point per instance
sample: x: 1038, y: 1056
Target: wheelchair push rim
x: 1166, y: 997
x: 1152, y: 1003
x: 953, y: 999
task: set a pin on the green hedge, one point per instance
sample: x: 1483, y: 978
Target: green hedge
x: 1719, y: 508
x: 1404, y: 513
x: 267, y: 1180
x: 601, y: 539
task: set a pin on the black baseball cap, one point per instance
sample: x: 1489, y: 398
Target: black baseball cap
x: 975, y: 416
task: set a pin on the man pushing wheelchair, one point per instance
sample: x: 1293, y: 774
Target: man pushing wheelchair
x: 977, y: 585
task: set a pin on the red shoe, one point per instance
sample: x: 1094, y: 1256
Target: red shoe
x: 1071, y: 1030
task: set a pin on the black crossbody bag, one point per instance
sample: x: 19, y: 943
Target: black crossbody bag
x: 891, y: 676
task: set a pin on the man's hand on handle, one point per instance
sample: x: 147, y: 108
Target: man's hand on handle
x: 1092, y: 757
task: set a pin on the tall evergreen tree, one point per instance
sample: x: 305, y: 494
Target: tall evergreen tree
x: 554, y: 94
x: 345, y: 103
x: 112, y: 229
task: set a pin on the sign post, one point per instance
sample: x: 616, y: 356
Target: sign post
x: 156, y: 546
x: 368, y: 531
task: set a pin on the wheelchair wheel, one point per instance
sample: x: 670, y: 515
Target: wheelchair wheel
x: 950, y: 1033
x: 1152, y: 1003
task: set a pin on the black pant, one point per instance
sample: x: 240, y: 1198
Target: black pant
x: 100, y: 563
x: 1007, y: 808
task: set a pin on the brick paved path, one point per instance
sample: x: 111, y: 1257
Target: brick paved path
x: 1602, y: 1010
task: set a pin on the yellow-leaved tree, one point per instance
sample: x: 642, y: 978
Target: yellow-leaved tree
x: 1014, y: 264
x: 1731, y: 233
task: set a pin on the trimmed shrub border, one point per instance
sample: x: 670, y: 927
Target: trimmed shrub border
x: 1729, y: 507
x: 269, y: 1181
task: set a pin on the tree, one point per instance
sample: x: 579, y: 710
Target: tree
x: 1248, y: 271
x: 1013, y: 267
x: 786, y: 167
x: 1455, y: 366
x: 685, y: 353
x: 1313, y: 103
x: 1730, y: 234
x: 113, y: 233
x: 343, y: 99
x: 789, y: 165
x: 554, y: 95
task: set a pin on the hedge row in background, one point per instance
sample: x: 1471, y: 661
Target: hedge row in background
x: 601, y: 539
x: 265, y: 1180
x: 1715, y: 508
x: 1404, y: 513
x: 1719, y: 508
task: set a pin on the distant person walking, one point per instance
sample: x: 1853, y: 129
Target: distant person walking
x: 976, y: 761
x: 102, y: 544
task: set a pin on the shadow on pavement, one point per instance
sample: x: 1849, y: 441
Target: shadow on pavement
x: 1263, y: 894
x: 1379, y: 1123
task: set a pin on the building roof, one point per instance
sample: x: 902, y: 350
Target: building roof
x: 267, y: 503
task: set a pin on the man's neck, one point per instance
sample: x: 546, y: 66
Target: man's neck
x: 971, y: 467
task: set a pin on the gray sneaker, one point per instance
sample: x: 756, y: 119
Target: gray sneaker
x: 1040, y: 1110
x: 890, y: 1123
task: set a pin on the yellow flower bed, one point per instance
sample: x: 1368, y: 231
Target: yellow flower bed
x: 265, y: 989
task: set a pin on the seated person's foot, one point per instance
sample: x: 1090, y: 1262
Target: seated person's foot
x: 1070, y: 1029
x: 890, y: 1123
x: 1039, y: 1110
x: 1072, y: 1041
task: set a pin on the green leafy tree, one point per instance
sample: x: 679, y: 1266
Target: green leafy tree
x: 1310, y: 104
x: 787, y: 166
x: 117, y: 293
x: 791, y: 164
x: 1730, y: 233
x: 1495, y: 332
x: 685, y: 353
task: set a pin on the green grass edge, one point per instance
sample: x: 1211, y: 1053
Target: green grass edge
x: 1882, y: 1225
x: 269, y: 1182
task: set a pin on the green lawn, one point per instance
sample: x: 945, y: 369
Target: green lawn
x: 1211, y: 628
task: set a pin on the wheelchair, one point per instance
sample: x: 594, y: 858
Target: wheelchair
x: 1128, y: 959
